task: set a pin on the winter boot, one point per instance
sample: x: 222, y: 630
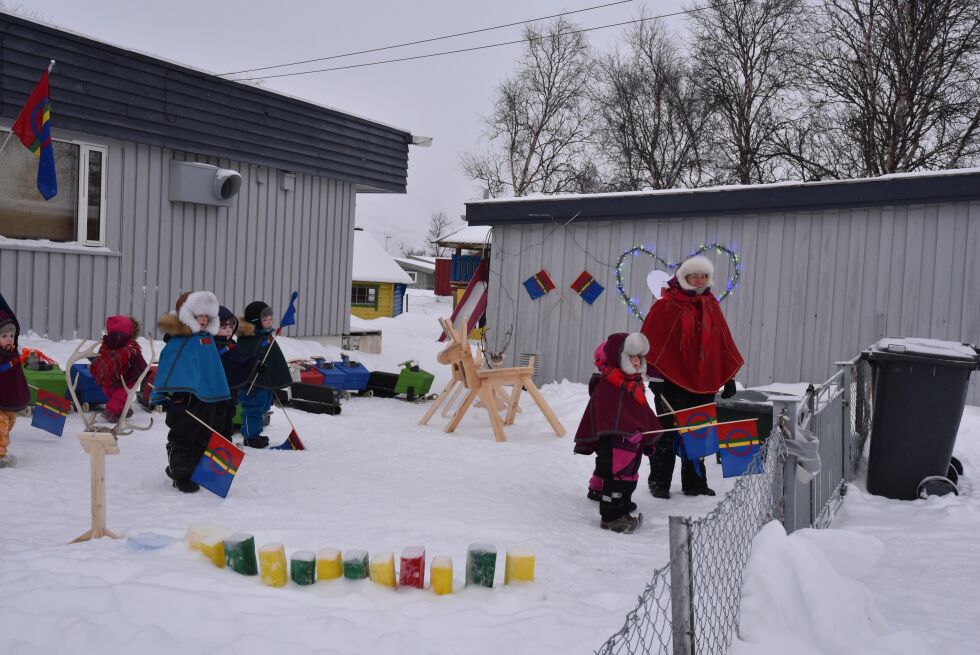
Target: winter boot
x: 8, y: 461
x: 700, y: 491
x: 258, y: 441
x: 625, y: 524
x: 186, y: 485
x: 659, y: 492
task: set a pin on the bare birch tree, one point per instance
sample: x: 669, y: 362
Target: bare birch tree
x: 743, y: 60
x: 651, y: 115
x: 539, y: 131
x: 899, y: 84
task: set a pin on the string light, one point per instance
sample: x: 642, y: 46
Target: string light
x: 631, y: 303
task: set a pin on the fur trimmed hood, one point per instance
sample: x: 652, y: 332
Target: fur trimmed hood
x: 696, y: 264
x: 182, y: 321
x: 618, y: 348
x: 245, y: 329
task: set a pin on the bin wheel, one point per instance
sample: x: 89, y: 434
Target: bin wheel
x: 956, y: 464
x: 952, y: 474
x: 369, y: 393
x: 29, y: 410
x: 936, y: 485
x: 345, y: 395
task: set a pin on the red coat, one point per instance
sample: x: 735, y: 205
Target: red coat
x: 690, y: 343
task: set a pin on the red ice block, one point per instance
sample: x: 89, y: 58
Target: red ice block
x: 412, y: 570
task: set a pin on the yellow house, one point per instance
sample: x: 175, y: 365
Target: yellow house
x: 378, y: 282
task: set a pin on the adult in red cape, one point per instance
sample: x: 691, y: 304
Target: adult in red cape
x: 612, y: 428
x: 692, y: 355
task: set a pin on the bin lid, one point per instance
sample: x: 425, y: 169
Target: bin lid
x: 948, y: 353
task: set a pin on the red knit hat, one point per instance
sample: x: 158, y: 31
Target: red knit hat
x: 120, y: 324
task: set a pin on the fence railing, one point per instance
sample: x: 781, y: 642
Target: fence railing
x: 690, y: 606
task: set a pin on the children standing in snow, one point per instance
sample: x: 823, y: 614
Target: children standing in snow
x: 238, y: 366
x: 256, y: 338
x: 613, y: 425
x: 119, y: 362
x: 13, y: 385
x: 190, y: 375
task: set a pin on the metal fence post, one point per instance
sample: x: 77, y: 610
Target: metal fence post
x: 681, y: 585
x: 791, y: 408
x: 846, y: 424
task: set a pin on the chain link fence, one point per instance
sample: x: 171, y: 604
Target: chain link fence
x: 691, y: 605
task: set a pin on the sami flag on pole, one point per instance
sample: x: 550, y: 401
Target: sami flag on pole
x: 218, y: 466
x: 738, y: 442
x: 538, y: 284
x: 292, y: 442
x: 50, y: 412
x: 33, y: 128
x: 289, y: 318
x: 701, y: 437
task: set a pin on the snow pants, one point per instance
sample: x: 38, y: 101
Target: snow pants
x: 662, y: 461
x: 7, y: 420
x: 116, y: 400
x: 618, y: 465
x: 227, y: 427
x: 254, y: 408
x: 187, y: 438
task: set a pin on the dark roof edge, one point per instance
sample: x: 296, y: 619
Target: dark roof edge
x: 927, y: 188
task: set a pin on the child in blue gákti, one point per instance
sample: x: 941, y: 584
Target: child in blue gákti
x: 257, y: 339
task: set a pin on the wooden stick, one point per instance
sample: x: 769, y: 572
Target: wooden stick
x: 206, y: 425
x: 264, y: 357
x: 695, y: 428
x: 276, y: 399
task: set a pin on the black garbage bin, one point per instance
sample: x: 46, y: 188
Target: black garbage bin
x: 748, y: 403
x: 920, y: 388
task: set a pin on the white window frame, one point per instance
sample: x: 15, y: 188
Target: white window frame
x: 414, y: 275
x: 81, y: 215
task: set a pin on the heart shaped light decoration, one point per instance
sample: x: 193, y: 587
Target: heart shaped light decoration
x: 730, y: 285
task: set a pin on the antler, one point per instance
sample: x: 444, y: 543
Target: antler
x: 79, y: 354
x: 123, y: 426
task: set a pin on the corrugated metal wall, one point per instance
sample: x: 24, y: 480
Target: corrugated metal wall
x: 269, y: 243
x: 816, y: 288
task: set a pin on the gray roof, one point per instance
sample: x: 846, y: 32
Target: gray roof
x: 108, y: 91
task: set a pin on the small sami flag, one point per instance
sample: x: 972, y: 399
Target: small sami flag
x: 292, y: 442
x: 289, y: 318
x: 218, y: 466
x: 586, y: 286
x: 738, y: 442
x: 50, y: 412
x: 33, y: 128
x: 701, y: 439
x: 538, y: 284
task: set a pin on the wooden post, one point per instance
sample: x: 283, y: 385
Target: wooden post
x: 98, y: 445
x: 681, y: 585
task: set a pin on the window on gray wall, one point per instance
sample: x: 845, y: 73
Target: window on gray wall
x: 76, y: 214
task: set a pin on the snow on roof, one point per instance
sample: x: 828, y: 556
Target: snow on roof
x: 723, y: 187
x: 472, y: 236
x: 373, y: 264
x: 424, y: 258
x: 416, y: 264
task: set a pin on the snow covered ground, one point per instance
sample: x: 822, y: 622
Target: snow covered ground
x: 373, y: 479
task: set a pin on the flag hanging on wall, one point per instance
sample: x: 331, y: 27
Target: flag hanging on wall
x: 586, y: 286
x: 738, y: 442
x: 218, y: 466
x: 33, y: 128
x: 538, y: 284
x: 50, y: 412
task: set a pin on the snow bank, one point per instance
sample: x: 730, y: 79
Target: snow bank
x: 801, y: 594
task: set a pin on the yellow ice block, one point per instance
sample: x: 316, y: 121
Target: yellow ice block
x: 383, y: 569
x: 272, y: 565
x: 329, y: 565
x: 519, y: 566
x: 213, y: 547
x: 441, y: 575
x: 200, y: 531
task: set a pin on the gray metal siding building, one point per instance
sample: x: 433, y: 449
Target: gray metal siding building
x: 290, y: 226
x: 829, y: 268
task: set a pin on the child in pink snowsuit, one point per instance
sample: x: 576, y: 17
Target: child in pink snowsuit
x: 119, y: 361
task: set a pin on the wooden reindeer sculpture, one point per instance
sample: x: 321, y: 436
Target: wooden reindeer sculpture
x: 101, y: 440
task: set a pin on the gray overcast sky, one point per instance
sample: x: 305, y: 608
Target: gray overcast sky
x: 442, y: 97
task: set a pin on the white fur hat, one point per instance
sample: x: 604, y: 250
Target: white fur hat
x: 196, y: 303
x: 635, y: 344
x: 695, y: 264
